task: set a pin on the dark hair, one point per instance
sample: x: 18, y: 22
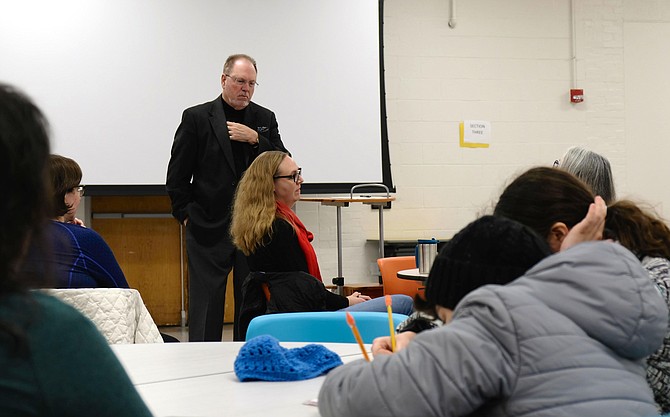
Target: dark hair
x: 640, y: 231
x: 490, y: 250
x: 541, y: 197
x: 24, y: 148
x: 65, y: 175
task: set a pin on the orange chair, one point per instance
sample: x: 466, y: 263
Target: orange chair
x: 389, y: 268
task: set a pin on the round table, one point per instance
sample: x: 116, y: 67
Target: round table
x: 412, y: 274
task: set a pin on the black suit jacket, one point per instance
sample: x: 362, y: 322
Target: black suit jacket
x: 201, y: 177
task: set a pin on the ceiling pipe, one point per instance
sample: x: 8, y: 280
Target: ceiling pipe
x: 574, y: 43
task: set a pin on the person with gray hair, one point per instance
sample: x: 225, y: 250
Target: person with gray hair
x: 592, y: 168
x: 214, y: 144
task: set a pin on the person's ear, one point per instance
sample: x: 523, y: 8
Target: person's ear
x: 223, y: 78
x: 444, y: 314
x: 557, y: 233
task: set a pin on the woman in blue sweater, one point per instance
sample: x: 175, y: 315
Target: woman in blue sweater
x: 80, y: 258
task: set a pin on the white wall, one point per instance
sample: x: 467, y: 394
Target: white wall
x: 506, y: 62
x: 647, y: 104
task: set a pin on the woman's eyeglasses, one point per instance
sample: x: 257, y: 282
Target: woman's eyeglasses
x: 295, y: 176
x: 80, y: 189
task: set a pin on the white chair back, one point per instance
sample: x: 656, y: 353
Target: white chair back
x: 118, y: 313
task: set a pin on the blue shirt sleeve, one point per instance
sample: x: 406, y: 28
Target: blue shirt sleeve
x: 83, y: 259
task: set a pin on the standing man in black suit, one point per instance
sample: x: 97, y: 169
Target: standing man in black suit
x: 213, y: 146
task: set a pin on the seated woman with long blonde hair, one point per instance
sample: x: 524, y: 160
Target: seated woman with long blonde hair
x: 285, y: 273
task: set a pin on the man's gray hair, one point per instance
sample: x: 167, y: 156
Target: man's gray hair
x: 228, y: 65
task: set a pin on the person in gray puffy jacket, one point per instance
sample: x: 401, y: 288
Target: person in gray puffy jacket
x: 569, y: 338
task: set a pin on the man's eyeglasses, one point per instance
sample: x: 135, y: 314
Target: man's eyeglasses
x: 241, y: 81
x: 80, y: 189
x: 295, y: 176
x: 557, y: 163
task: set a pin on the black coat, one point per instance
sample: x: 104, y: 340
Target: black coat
x: 289, y: 292
x: 201, y: 175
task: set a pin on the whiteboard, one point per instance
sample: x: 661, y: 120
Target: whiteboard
x: 113, y: 77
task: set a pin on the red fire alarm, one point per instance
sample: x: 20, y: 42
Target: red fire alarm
x: 576, y: 95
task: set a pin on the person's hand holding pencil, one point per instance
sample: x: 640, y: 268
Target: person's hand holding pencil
x: 382, y: 345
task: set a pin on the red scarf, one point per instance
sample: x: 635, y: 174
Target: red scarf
x: 304, y: 237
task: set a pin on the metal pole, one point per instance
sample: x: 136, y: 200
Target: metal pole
x: 381, y: 230
x: 181, y: 271
x: 339, y: 245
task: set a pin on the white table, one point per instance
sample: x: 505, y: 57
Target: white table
x: 197, y: 379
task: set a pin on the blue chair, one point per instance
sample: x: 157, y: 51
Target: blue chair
x: 322, y: 326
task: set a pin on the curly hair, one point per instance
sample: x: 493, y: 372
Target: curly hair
x: 638, y: 229
x: 254, y: 208
x: 542, y: 196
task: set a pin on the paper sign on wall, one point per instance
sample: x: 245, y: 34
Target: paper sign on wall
x: 475, y: 134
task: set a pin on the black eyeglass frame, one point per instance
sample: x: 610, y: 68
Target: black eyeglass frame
x: 80, y: 189
x: 295, y: 176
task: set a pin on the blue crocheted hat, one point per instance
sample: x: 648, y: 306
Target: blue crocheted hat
x: 262, y: 358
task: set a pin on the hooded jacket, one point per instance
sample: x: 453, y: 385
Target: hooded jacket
x: 569, y: 338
